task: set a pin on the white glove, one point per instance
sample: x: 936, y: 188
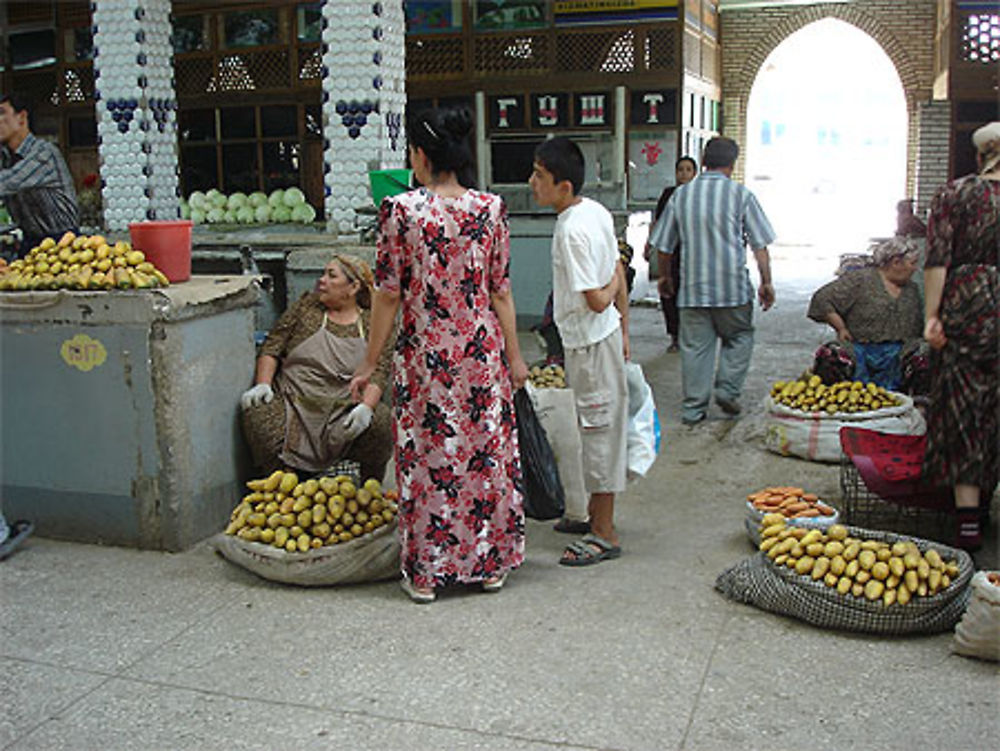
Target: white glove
x: 259, y: 394
x: 358, y: 420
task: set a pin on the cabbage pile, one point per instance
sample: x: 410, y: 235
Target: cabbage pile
x: 280, y: 207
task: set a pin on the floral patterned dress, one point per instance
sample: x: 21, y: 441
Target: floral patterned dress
x: 457, y: 464
x: 963, y: 235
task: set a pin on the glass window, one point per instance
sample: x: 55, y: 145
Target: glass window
x: 82, y: 131
x: 79, y: 44
x: 239, y: 168
x: 504, y: 14
x: 309, y: 22
x: 196, y: 125
x: 189, y: 34
x: 251, y: 28
x: 433, y: 16
x: 280, y: 120
x: 512, y: 160
x: 198, y: 168
x: 238, y: 122
x: 281, y: 164
x: 32, y: 49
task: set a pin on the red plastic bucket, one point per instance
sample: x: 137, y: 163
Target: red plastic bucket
x: 166, y: 245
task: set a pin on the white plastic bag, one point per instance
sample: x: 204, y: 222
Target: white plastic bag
x: 978, y: 633
x: 556, y: 411
x: 817, y: 436
x: 643, y: 442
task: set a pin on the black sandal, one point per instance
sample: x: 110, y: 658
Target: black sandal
x: 572, y: 527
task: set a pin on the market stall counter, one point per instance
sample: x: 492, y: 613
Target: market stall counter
x: 120, y: 410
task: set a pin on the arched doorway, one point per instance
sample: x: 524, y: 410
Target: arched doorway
x: 826, y: 139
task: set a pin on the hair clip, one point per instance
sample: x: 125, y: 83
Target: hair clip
x: 430, y: 130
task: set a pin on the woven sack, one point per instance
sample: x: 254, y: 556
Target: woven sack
x: 816, y: 436
x: 778, y: 589
x: 755, y: 516
x: 978, y: 634
x: 372, y: 557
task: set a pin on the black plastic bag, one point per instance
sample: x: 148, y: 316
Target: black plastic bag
x: 544, y: 497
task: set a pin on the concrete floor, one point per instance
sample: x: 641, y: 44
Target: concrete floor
x: 109, y: 648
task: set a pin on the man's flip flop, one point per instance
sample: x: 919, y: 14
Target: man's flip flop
x: 588, y: 550
x: 19, y: 532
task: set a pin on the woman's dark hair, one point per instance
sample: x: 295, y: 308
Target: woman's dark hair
x: 443, y: 134
x: 563, y: 159
x: 687, y: 159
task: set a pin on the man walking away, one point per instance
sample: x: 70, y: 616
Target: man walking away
x: 713, y: 218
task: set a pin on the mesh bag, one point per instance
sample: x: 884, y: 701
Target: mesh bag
x: 372, y: 557
x: 758, y: 581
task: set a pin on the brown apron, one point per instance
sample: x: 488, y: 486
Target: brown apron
x: 314, y: 382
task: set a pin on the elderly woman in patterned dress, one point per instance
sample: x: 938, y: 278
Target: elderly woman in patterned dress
x: 875, y: 311
x: 962, y: 288
x: 299, y: 412
x: 444, y: 263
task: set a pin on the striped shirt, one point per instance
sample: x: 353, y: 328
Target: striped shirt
x: 37, y: 189
x: 713, y: 219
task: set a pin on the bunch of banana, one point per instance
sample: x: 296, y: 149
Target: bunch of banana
x: 809, y: 394
x: 82, y: 262
x: 299, y: 516
x: 872, y: 569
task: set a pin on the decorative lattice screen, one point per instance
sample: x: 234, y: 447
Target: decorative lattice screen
x: 511, y: 52
x: 435, y: 57
x: 78, y: 84
x: 310, y: 64
x: 661, y: 49
x: 193, y: 75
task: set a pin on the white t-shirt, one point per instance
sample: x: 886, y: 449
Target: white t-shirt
x: 584, y: 256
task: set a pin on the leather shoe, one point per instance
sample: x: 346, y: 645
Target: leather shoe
x: 729, y: 406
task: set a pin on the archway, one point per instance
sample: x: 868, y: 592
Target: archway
x: 826, y: 139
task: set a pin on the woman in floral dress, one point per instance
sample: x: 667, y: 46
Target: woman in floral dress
x: 962, y: 290
x: 444, y: 260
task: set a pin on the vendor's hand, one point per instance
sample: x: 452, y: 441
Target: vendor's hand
x: 518, y: 373
x: 358, y: 420
x: 766, y: 296
x: 843, y: 335
x: 626, y: 347
x: 257, y: 395
x: 360, y: 381
x: 934, y: 333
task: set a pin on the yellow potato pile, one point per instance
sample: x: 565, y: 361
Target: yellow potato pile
x: 82, y: 262
x: 298, y: 516
x: 810, y: 394
x: 547, y: 377
x: 873, y: 569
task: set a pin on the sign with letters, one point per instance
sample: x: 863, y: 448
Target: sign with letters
x: 593, y: 110
x: 654, y: 107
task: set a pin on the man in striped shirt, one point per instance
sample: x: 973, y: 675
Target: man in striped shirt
x: 35, y: 183
x: 713, y: 218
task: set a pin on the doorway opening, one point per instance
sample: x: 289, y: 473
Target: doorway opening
x: 826, y: 141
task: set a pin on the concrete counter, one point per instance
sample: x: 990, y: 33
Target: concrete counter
x: 120, y: 410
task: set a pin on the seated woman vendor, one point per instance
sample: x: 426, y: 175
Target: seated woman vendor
x: 876, y: 311
x: 300, y: 413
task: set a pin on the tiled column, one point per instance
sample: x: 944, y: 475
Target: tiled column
x: 933, y: 151
x: 364, y: 98
x: 136, y: 111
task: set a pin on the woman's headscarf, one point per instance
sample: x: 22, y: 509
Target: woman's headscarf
x: 357, y: 270
x: 987, y: 142
x: 884, y: 252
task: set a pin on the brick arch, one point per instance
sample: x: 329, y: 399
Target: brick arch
x: 905, y: 67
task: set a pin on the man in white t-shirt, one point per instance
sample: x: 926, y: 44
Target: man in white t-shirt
x: 590, y: 308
